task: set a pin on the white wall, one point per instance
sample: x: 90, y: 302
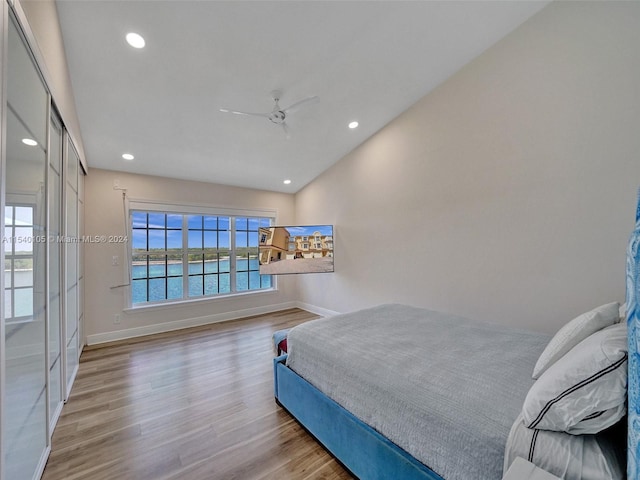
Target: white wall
x: 508, y: 193
x: 104, y: 216
x: 42, y: 17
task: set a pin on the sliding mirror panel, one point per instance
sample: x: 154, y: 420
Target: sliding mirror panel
x: 56, y: 386
x: 71, y: 263
x: 81, y: 176
x: 25, y: 215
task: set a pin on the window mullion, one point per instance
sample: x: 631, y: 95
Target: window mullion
x: 148, y: 275
x: 13, y: 262
x: 232, y: 254
x: 218, y: 274
x: 202, y: 255
x: 185, y: 257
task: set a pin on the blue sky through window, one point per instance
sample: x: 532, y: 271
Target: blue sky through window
x: 162, y: 266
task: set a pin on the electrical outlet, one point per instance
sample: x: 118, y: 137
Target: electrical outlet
x: 116, y: 319
x: 115, y: 261
x: 116, y: 183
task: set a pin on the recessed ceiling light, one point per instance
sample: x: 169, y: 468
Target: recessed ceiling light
x: 29, y: 141
x: 287, y: 181
x: 127, y: 156
x: 353, y: 124
x: 135, y: 40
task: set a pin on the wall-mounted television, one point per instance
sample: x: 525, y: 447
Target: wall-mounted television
x: 296, y: 249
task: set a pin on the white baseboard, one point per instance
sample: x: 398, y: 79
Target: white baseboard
x: 186, y: 323
x: 317, y: 310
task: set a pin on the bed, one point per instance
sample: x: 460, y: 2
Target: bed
x: 395, y: 404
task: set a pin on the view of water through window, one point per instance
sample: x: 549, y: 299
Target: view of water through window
x: 182, y: 256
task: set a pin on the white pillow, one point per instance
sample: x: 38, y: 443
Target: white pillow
x: 574, y: 332
x: 623, y: 313
x: 586, y: 390
x: 598, y: 421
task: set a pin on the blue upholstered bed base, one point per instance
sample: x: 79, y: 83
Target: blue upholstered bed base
x: 633, y: 327
x: 362, y: 450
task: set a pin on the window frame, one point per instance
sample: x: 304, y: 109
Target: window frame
x: 11, y: 241
x: 21, y: 200
x: 137, y: 205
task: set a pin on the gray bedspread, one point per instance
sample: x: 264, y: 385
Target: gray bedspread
x: 445, y: 389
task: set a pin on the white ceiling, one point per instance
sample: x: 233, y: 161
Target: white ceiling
x: 366, y: 60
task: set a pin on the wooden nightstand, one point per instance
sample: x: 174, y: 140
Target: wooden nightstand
x: 520, y: 469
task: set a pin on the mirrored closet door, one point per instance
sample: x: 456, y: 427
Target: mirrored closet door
x: 42, y: 305
x: 25, y: 423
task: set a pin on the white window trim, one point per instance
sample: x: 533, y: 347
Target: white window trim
x: 23, y: 199
x: 139, y: 204
x: 197, y: 209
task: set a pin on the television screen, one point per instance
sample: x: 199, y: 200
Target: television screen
x: 296, y: 249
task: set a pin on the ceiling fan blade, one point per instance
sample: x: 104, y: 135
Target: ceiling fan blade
x: 235, y: 112
x: 297, y: 104
x: 286, y: 129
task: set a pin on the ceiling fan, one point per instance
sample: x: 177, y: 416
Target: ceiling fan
x: 277, y: 115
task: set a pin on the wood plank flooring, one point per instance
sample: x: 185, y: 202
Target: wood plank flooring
x: 195, y: 404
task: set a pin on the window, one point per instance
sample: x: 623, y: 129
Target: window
x: 247, y: 276
x: 182, y: 256
x: 18, y: 263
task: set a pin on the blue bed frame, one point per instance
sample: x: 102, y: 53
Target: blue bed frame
x: 362, y: 450
x: 370, y: 456
x: 633, y: 326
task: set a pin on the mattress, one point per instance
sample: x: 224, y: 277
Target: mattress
x: 445, y: 389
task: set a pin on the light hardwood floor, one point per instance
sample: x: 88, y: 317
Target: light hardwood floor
x: 189, y: 405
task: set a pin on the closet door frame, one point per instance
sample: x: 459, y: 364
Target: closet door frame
x: 68, y: 377
x: 4, y: 31
x: 54, y: 242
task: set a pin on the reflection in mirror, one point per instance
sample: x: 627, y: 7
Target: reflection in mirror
x: 25, y: 401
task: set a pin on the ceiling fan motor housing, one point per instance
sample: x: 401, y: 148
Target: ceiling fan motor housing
x: 277, y: 116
